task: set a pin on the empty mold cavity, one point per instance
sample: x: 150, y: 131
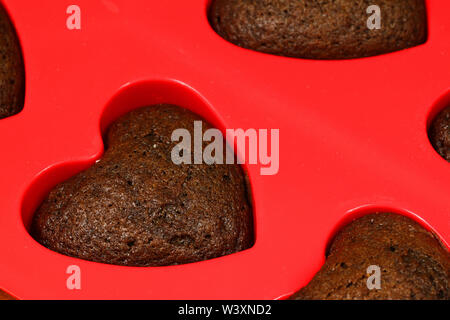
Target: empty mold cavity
x: 332, y: 30
x: 12, y: 73
x: 131, y: 97
x: 439, y: 126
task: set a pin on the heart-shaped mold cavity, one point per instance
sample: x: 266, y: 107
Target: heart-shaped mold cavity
x: 135, y: 206
x: 411, y: 261
x: 12, y: 74
x: 342, y: 29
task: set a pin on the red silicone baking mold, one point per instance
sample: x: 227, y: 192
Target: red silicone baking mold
x: 353, y: 140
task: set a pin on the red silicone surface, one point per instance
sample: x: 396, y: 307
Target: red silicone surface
x: 353, y: 140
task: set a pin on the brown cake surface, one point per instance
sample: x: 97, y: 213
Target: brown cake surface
x: 135, y: 207
x: 413, y: 263
x: 12, y: 82
x: 319, y: 29
x: 440, y: 133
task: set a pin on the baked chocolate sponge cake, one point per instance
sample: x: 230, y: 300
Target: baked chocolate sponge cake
x: 440, y: 133
x: 325, y: 29
x: 135, y: 207
x: 12, y: 78
x: 413, y: 263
